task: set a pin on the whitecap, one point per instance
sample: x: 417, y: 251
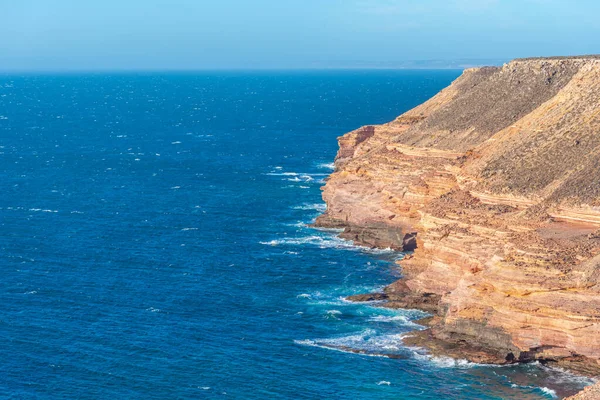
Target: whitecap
x: 177, y: 142
x: 319, y: 241
x: 283, y: 173
x: 388, y: 383
x: 43, y: 210
x: 545, y: 390
x: 445, y: 362
x: 189, y: 229
x: 298, y: 224
x: 549, y: 392
x: 321, y: 207
x: 327, y: 166
x: 396, y: 319
x: 325, y: 242
x: 366, y: 342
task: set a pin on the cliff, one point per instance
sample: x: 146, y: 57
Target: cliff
x: 589, y: 393
x: 495, y: 185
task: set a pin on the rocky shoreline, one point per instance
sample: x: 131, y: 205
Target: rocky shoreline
x: 494, y: 185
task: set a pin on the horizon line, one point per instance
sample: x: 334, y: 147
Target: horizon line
x: 236, y: 69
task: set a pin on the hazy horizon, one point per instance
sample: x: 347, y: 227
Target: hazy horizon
x: 187, y: 35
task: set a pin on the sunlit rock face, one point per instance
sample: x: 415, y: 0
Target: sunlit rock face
x: 495, y: 184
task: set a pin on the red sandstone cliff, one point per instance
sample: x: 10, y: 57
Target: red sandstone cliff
x: 495, y: 183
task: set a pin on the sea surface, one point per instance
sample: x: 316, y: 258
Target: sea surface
x: 154, y: 244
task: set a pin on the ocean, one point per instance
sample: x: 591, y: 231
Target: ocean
x: 154, y: 244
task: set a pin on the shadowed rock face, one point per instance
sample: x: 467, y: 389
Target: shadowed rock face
x: 496, y: 180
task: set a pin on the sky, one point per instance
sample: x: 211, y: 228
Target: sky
x: 249, y: 34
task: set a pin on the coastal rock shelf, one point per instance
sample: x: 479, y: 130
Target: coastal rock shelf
x: 495, y: 185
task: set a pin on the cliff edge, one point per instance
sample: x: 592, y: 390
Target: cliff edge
x: 495, y: 185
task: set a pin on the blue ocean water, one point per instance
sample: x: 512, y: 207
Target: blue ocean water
x: 154, y: 244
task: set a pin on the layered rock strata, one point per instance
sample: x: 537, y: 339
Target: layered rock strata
x: 495, y: 185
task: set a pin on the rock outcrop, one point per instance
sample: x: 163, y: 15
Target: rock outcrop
x: 589, y: 393
x: 495, y: 185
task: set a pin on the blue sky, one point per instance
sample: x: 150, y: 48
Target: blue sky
x: 200, y: 34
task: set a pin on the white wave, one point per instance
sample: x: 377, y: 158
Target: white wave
x: 301, y: 178
x: 563, y: 377
x: 330, y: 302
x: 333, y: 312
x: 388, y: 383
x: 367, y: 342
x: 152, y: 309
x: 549, y: 392
x: 298, y: 224
x: 313, y: 343
x: 303, y: 175
x: 444, y: 362
x: 322, y: 242
x: 321, y: 207
x: 176, y: 142
x: 397, y: 319
x: 542, y: 389
x: 283, y: 173
x: 327, y: 166
x: 189, y: 229
x: 43, y: 210
x: 304, y: 296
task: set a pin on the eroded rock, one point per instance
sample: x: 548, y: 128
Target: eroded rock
x: 494, y: 183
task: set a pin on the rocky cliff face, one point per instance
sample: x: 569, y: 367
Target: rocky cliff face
x: 589, y: 393
x: 495, y: 185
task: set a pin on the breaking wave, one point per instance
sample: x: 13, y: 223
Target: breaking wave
x: 368, y: 342
x: 321, y: 207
